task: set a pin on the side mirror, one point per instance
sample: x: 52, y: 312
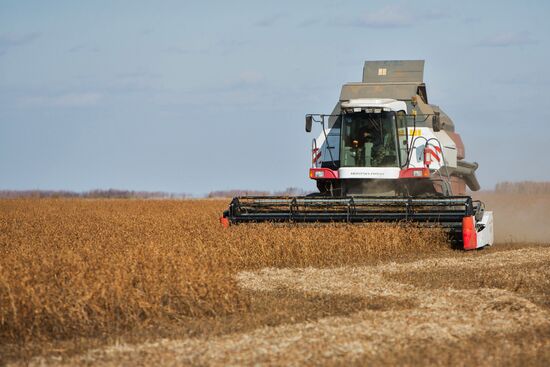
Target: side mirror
x: 436, y: 122
x: 309, y: 122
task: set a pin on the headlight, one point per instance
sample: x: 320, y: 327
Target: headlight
x: 319, y: 174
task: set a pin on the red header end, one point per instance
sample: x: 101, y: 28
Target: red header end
x: 469, y: 234
x: 224, y: 222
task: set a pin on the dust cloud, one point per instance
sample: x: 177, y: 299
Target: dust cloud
x: 519, y: 217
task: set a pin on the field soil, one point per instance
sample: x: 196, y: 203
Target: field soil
x: 143, y: 282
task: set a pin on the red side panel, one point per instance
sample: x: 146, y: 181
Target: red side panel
x: 469, y: 234
x: 322, y: 174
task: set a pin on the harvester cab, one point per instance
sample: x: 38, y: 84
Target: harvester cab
x: 383, y: 154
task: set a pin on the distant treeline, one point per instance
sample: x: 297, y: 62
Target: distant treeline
x: 291, y: 191
x: 523, y: 187
x: 127, y: 194
x: 98, y: 194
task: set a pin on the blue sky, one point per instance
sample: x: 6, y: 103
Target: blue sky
x: 194, y: 96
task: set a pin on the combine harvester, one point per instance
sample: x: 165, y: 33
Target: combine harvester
x: 384, y: 154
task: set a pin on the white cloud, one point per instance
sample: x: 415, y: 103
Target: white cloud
x: 507, y: 39
x: 250, y: 77
x: 83, y: 47
x: 309, y: 22
x: 270, y: 20
x: 76, y: 99
x: 390, y: 16
x: 9, y: 41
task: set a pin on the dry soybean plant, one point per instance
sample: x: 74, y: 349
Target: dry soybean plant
x: 83, y: 267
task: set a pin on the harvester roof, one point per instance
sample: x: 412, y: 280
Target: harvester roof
x: 397, y: 71
x: 397, y: 79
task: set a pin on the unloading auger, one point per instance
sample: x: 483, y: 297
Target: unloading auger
x: 384, y: 154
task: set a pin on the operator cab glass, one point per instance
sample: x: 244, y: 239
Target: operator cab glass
x: 369, y: 140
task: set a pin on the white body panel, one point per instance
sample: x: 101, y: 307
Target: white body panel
x: 385, y: 104
x: 447, y: 156
x: 485, y: 236
x: 369, y: 172
x: 448, y: 146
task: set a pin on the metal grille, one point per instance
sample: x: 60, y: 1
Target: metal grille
x: 444, y: 211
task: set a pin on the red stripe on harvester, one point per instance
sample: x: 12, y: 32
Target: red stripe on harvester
x: 434, y: 154
x: 316, y: 154
x: 316, y: 158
